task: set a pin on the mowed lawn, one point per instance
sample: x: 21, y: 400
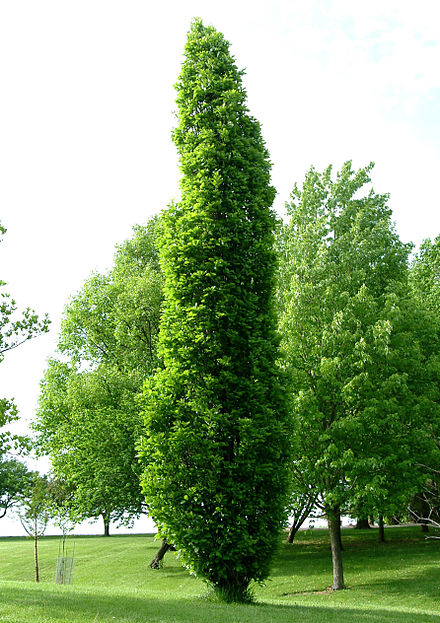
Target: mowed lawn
x: 394, y: 582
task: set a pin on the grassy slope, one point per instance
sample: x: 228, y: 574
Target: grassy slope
x: 395, y: 582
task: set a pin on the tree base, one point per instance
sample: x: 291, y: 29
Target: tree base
x: 338, y: 588
x: 229, y: 594
x: 157, y: 561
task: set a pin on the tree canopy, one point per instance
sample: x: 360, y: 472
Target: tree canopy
x: 425, y: 284
x: 15, y: 478
x: 88, y: 419
x: 15, y: 329
x: 353, y: 347
x: 425, y: 275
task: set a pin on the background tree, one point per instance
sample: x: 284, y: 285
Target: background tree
x: 302, y: 503
x: 425, y: 275
x: 425, y: 284
x: 215, y: 444
x: 407, y: 441
x: 89, y: 426
x: 359, y: 394
x: 62, y: 505
x: 34, y: 512
x: 114, y: 319
x: 15, y: 329
x: 88, y: 418
x: 14, y: 480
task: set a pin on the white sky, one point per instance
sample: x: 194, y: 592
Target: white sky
x: 86, y: 111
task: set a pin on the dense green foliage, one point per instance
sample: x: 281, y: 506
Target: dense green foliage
x: 16, y: 329
x: 14, y: 480
x: 215, y: 446
x: 393, y: 583
x: 89, y: 426
x: 88, y: 419
x: 425, y: 283
x: 425, y: 275
x: 34, y: 508
x: 362, y: 380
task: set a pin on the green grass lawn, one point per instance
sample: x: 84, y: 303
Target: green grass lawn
x: 394, y: 582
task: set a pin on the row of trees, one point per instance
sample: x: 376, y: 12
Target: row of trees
x: 359, y: 338
x: 235, y: 429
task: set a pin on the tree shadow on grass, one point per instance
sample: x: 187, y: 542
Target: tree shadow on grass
x: 58, y: 604
x: 310, y: 559
x: 416, y: 577
x: 415, y: 582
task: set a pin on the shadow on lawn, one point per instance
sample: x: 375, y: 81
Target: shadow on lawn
x: 310, y: 559
x: 410, y: 583
x: 57, y: 604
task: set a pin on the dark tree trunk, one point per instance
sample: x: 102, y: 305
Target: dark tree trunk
x: 334, y: 528
x: 292, y: 532
x: 340, y: 532
x: 381, y: 529
x: 298, y: 521
x: 106, y: 519
x: 362, y: 523
x: 425, y: 512
x: 165, y: 546
x: 37, y: 570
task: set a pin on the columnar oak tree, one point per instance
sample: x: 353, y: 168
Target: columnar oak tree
x: 215, y: 442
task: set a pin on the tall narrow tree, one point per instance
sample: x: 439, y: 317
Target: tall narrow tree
x: 215, y: 444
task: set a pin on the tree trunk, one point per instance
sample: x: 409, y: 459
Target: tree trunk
x: 381, y: 530
x: 106, y: 519
x: 292, y: 532
x: 37, y: 570
x: 362, y: 523
x: 425, y: 512
x: 165, y: 546
x: 340, y: 532
x: 334, y: 528
x: 298, y: 521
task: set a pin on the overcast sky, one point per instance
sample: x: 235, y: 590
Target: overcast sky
x: 86, y: 112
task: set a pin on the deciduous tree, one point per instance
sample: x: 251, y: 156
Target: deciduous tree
x: 425, y: 284
x: 88, y: 418
x: 15, y: 329
x: 14, y: 479
x: 34, y: 512
x: 353, y: 348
